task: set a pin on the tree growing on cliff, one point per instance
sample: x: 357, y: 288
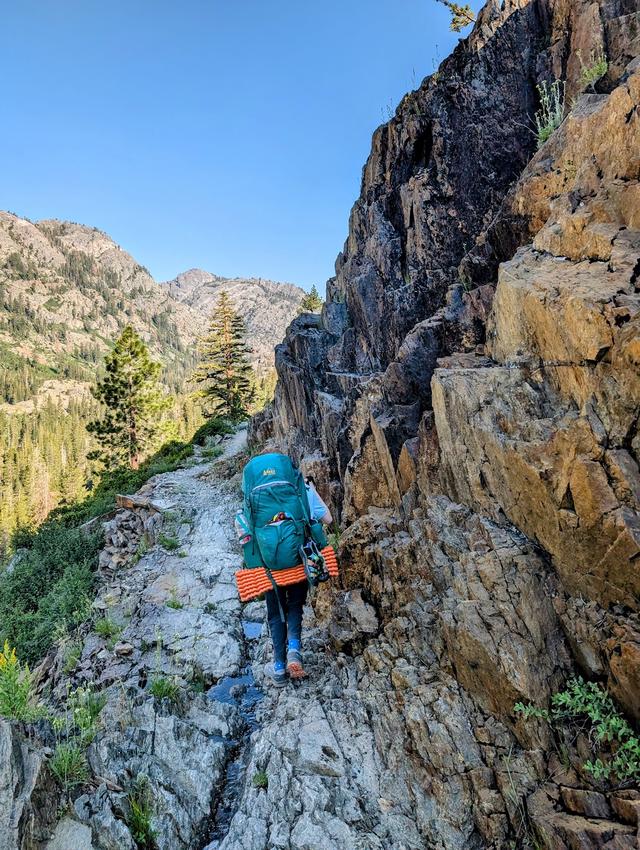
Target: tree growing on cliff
x: 461, y: 16
x: 131, y: 424
x: 225, y: 374
x: 311, y: 302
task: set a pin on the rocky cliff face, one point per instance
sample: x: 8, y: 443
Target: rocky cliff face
x: 469, y: 399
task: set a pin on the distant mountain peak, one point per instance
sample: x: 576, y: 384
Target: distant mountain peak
x: 68, y: 289
x: 266, y: 305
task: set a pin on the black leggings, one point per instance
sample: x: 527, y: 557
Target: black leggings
x: 292, y: 599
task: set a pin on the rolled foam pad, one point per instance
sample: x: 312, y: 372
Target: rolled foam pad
x: 255, y: 582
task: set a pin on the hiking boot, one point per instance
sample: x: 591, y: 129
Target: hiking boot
x: 277, y: 677
x: 294, y: 664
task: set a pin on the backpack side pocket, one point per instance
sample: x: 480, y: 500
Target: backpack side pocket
x: 317, y: 534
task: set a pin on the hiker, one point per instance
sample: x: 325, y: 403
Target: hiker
x: 279, y: 528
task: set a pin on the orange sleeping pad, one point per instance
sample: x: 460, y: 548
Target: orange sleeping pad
x: 255, y: 582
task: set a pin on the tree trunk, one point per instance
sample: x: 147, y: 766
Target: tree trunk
x: 134, y: 457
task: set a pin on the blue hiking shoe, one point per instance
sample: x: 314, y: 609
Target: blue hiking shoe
x: 277, y: 676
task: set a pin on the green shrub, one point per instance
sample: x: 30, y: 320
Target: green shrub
x: 551, y: 113
x: 609, y: 730
x: 213, y: 452
x: 214, y: 427
x: 17, y: 694
x: 107, y: 628
x: 69, y: 765
x: 47, y: 592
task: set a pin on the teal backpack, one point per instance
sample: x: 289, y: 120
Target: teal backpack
x: 276, y: 513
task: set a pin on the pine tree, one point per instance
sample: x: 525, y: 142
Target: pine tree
x: 225, y: 374
x: 311, y: 303
x: 133, y: 404
x: 461, y: 16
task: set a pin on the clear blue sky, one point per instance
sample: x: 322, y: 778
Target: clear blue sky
x: 224, y: 135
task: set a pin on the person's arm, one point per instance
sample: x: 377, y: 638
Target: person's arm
x: 319, y: 511
x: 326, y: 518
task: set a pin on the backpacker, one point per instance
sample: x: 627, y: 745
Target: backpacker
x: 276, y: 512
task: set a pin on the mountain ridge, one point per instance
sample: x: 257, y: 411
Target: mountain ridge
x: 67, y: 289
x: 200, y: 289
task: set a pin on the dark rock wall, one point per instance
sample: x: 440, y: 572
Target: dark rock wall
x: 469, y: 401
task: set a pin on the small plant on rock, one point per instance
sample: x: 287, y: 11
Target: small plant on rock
x: 168, y: 542
x: 17, y: 694
x: 529, y: 710
x: 85, y: 706
x: 173, y: 601
x: 107, y: 628
x: 551, y: 113
x: 597, y: 67
x: 334, y: 535
x: 163, y: 687
x: 617, y: 744
x: 461, y: 16
x: 198, y: 681
x: 75, y: 730
x: 142, y: 549
x: 72, y: 655
x: 140, y: 801
x: 260, y: 779
x: 69, y: 765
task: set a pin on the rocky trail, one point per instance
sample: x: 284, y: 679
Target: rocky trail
x: 226, y: 761
x: 168, y: 589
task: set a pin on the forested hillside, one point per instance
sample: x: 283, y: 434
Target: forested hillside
x: 66, y: 292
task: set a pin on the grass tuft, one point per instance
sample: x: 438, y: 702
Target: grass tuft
x: 162, y: 687
x: 140, y: 812
x: 69, y: 765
